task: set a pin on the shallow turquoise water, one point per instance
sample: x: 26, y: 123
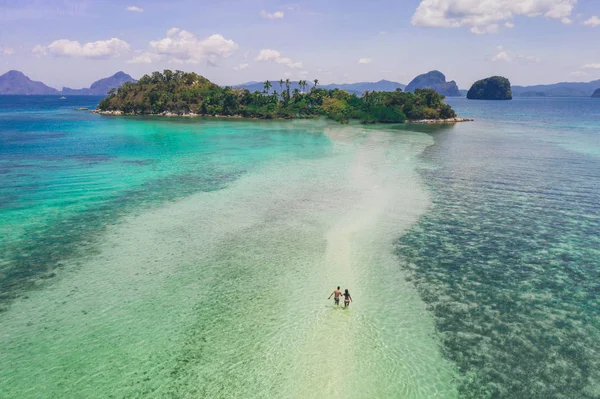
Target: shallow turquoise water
x: 192, y: 258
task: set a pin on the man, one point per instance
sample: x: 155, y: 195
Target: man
x: 337, y: 294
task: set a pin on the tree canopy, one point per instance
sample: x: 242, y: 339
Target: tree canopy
x: 188, y: 93
x: 493, y: 88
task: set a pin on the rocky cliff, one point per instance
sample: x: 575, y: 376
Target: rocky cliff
x: 492, y: 88
x: 434, y: 80
x: 15, y: 82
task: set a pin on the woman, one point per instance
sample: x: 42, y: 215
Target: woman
x: 347, y: 298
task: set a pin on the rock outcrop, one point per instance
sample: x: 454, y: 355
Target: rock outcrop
x: 596, y: 94
x: 434, y: 80
x: 492, y: 88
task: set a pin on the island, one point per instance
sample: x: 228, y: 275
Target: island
x: 17, y: 83
x: 181, y: 93
x: 596, y: 93
x: 434, y: 80
x: 102, y: 86
x: 492, y: 88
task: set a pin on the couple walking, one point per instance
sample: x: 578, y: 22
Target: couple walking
x: 337, y: 294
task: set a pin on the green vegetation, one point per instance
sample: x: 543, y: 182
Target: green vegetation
x: 188, y: 93
x: 493, y: 88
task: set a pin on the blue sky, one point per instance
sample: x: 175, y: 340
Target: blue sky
x: 73, y: 43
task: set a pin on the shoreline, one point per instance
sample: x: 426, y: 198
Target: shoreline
x: 193, y: 115
x: 449, y: 120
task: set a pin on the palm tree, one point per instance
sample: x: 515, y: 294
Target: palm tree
x: 267, y: 86
x: 287, y: 88
x: 316, y: 82
x: 281, y: 85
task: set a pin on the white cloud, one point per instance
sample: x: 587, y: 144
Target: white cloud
x: 303, y: 73
x: 268, y: 55
x: 579, y: 74
x: 591, y: 66
x: 287, y: 75
x: 6, y: 50
x: 145, y: 58
x: 38, y: 50
x: 482, y: 30
x: 241, y: 67
x: 268, y: 15
x: 275, y: 56
x: 593, y: 21
x: 172, y: 32
x: 528, y: 58
x: 134, y: 9
x: 566, y: 21
x: 502, y: 56
x: 509, y: 25
x: 483, y: 16
x: 383, y: 32
x: 184, y: 47
x: 72, y: 48
x: 324, y: 71
x: 364, y: 61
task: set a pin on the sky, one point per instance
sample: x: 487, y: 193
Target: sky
x: 72, y: 43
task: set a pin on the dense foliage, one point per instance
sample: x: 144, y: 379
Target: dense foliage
x: 493, y: 88
x: 188, y: 93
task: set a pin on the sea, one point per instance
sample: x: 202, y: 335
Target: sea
x: 193, y: 258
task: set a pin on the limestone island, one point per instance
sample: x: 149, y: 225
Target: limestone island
x: 493, y: 88
x: 596, y: 94
x: 181, y: 93
x: 434, y: 80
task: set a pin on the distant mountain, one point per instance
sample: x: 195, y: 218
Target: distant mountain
x: 434, y: 80
x: 102, y: 86
x: 15, y: 82
x: 562, y: 89
x: 596, y: 94
x: 361, y: 87
x: 356, y: 88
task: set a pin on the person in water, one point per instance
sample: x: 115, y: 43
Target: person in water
x: 347, y: 298
x: 336, y: 298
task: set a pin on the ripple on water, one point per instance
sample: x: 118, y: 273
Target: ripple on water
x: 508, y: 262
x: 222, y: 294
